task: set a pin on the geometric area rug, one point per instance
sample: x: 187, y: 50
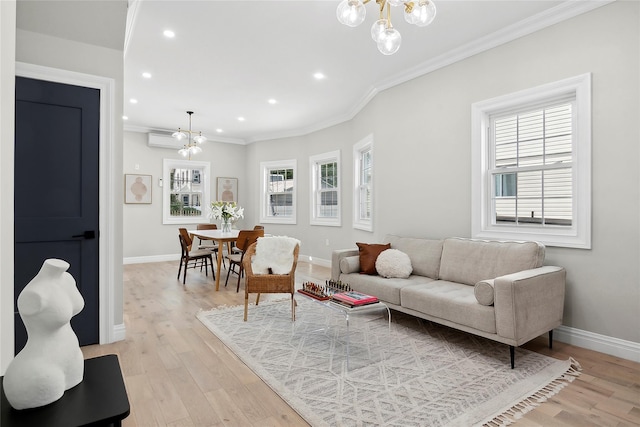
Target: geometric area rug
x: 414, y: 373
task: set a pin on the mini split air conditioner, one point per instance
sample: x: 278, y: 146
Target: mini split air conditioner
x: 159, y: 140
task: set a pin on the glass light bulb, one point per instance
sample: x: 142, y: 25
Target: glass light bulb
x: 184, y: 152
x: 390, y: 42
x: 351, y: 12
x: 423, y: 13
x: 377, y: 29
x: 179, y: 135
x: 195, y: 149
x: 199, y: 139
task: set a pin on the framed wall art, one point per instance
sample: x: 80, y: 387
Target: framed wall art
x: 137, y: 189
x: 227, y: 189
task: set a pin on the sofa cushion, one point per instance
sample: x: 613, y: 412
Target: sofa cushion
x: 424, y: 253
x: 350, y: 264
x: 368, y: 255
x: 469, y: 261
x: 393, y: 263
x: 387, y: 290
x: 451, y: 301
x: 483, y: 290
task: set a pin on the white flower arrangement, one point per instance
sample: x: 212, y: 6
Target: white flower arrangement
x: 226, y: 211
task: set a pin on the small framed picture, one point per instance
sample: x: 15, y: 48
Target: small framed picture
x: 227, y: 189
x: 137, y: 188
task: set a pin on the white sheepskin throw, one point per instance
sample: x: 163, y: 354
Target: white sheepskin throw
x: 393, y: 263
x: 275, y: 253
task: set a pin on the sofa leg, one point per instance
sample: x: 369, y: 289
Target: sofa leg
x: 551, y: 339
x: 512, y: 353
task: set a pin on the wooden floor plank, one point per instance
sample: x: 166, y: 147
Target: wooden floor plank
x: 178, y: 373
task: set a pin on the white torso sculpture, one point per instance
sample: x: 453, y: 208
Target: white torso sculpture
x: 51, y: 361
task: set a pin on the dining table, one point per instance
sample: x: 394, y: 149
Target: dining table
x: 220, y: 237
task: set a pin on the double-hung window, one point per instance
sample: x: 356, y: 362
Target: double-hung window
x: 278, y: 183
x: 531, y: 165
x: 185, y: 193
x: 363, y: 180
x: 325, y: 189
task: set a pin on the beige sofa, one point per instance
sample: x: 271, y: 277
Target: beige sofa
x: 497, y: 290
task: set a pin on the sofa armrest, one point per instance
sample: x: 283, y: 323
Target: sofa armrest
x: 529, y: 303
x: 336, y: 256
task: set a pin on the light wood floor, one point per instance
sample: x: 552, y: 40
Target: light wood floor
x: 177, y: 373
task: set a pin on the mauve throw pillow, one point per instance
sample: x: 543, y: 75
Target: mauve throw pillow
x: 368, y: 256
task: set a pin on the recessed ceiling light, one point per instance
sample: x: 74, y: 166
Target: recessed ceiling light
x: 318, y: 76
x: 241, y: 119
x: 125, y: 118
x: 219, y: 130
x: 272, y: 101
x: 133, y: 101
x: 146, y: 75
x: 169, y: 34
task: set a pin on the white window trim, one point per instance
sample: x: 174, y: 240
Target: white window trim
x: 314, y: 165
x: 264, y: 205
x: 363, y: 145
x: 579, y: 234
x: 169, y: 164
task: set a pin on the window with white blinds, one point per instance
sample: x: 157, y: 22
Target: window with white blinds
x: 325, y: 189
x: 532, y: 165
x: 278, y: 201
x: 363, y: 179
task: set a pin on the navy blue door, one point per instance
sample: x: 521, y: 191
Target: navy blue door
x: 57, y: 191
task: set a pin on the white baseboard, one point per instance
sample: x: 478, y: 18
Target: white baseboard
x: 151, y: 258
x: 604, y: 344
x: 119, y: 332
x: 176, y: 257
x: 313, y: 260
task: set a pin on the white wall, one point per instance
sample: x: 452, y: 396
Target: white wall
x: 422, y: 159
x: 144, y: 234
x: 7, y: 107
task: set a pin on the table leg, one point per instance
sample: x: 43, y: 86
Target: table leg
x: 219, y: 262
x: 347, y: 316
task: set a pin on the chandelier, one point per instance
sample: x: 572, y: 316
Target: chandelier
x: 388, y: 39
x: 191, y: 147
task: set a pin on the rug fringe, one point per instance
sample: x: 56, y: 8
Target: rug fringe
x: 518, y: 410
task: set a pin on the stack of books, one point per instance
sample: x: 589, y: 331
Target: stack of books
x: 354, y: 299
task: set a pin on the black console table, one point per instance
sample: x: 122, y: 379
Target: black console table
x: 99, y: 400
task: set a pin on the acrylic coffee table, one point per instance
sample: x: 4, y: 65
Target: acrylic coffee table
x: 347, y: 312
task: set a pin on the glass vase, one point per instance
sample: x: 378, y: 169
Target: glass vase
x: 226, y: 225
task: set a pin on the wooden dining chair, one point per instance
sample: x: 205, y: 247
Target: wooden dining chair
x: 238, y: 250
x: 191, y: 258
x: 244, y: 240
x: 208, y: 243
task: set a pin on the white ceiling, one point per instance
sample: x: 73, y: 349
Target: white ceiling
x: 229, y: 57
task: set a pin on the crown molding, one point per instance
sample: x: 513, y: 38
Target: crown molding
x: 146, y: 129
x: 534, y: 23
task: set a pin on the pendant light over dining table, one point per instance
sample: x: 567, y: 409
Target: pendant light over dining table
x: 418, y: 12
x: 192, y: 146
